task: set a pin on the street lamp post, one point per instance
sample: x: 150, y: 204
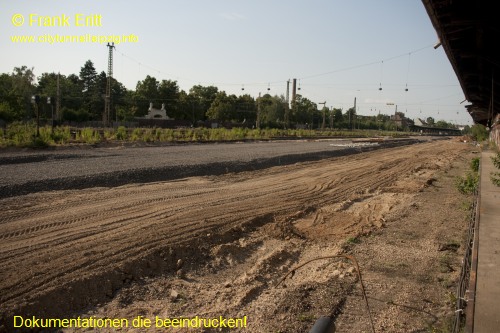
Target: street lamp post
x: 35, y: 99
x: 52, y: 112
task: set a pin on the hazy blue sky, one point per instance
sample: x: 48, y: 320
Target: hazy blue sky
x: 337, y: 50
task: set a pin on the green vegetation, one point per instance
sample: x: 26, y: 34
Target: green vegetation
x: 80, y: 101
x: 24, y: 135
x: 306, y: 317
x: 353, y: 240
x: 474, y: 164
x: 19, y: 134
x: 479, y: 133
x: 468, y: 184
x: 495, y: 176
x: 496, y: 160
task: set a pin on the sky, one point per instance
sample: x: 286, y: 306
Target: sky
x: 338, y: 50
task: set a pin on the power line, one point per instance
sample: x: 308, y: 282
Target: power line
x: 269, y: 83
x: 366, y: 64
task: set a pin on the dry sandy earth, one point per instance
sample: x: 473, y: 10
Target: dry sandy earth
x: 114, y: 252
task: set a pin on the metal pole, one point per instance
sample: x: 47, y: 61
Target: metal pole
x: 37, y: 120
x: 257, y: 125
x: 58, y: 100
x: 52, y: 109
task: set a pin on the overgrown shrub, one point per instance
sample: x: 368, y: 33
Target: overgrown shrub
x: 20, y: 134
x: 121, y: 133
x: 89, y: 135
x: 136, y: 134
x: 496, y: 160
x: 495, y: 176
x: 148, y: 135
x: 479, y: 132
x: 469, y: 183
x: 61, y: 135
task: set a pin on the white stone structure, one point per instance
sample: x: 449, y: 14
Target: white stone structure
x: 157, y: 113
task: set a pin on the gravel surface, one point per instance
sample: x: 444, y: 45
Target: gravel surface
x: 28, y: 171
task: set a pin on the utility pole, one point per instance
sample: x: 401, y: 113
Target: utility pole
x: 331, y: 118
x: 288, y: 91
x: 324, y: 115
x: 396, y: 117
x: 35, y: 99
x: 287, y: 109
x: 352, y: 112
x: 294, y: 95
x: 106, y: 117
x: 257, y: 123
x: 50, y: 102
x: 58, y: 100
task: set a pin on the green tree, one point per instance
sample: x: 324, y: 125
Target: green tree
x: 203, y: 98
x: 304, y: 111
x: 6, y: 112
x: 9, y: 108
x: 93, y: 88
x: 168, y: 93
x: 430, y: 121
x: 146, y: 92
x: 22, y: 90
x: 444, y: 124
x: 223, y: 107
x: 337, y: 118
x: 272, y: 110
x: 466, y: 130
x: 188, y: 108
x: 350, y: 117
x: 88, y: 76
x: 246, y: 109
x: 121, y: 98
x: 479, y: 132
x: 98, y: 101
x: 71, y: 92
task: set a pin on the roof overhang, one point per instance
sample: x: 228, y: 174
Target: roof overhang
x: 467, y: 30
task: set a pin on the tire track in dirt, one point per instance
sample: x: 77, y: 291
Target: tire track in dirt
x: 46, y: 248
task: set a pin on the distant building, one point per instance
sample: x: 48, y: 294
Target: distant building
x: 401, y: 121
x: 420, y: 122
x: 157, y: 113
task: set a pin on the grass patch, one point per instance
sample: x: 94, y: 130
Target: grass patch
x: 474, y: 164
x: 89, y: 135
x: 353, y: 240
x: 306, y: 317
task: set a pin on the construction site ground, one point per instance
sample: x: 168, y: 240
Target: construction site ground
x: 219, y: 245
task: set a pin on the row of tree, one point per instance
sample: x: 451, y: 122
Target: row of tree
x: 81, y: 98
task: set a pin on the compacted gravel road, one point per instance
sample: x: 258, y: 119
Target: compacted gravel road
x: 30, y: 171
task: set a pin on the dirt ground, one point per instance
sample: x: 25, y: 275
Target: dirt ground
x: 219, y: 246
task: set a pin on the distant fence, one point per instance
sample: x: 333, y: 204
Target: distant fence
x: 157, y: 123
